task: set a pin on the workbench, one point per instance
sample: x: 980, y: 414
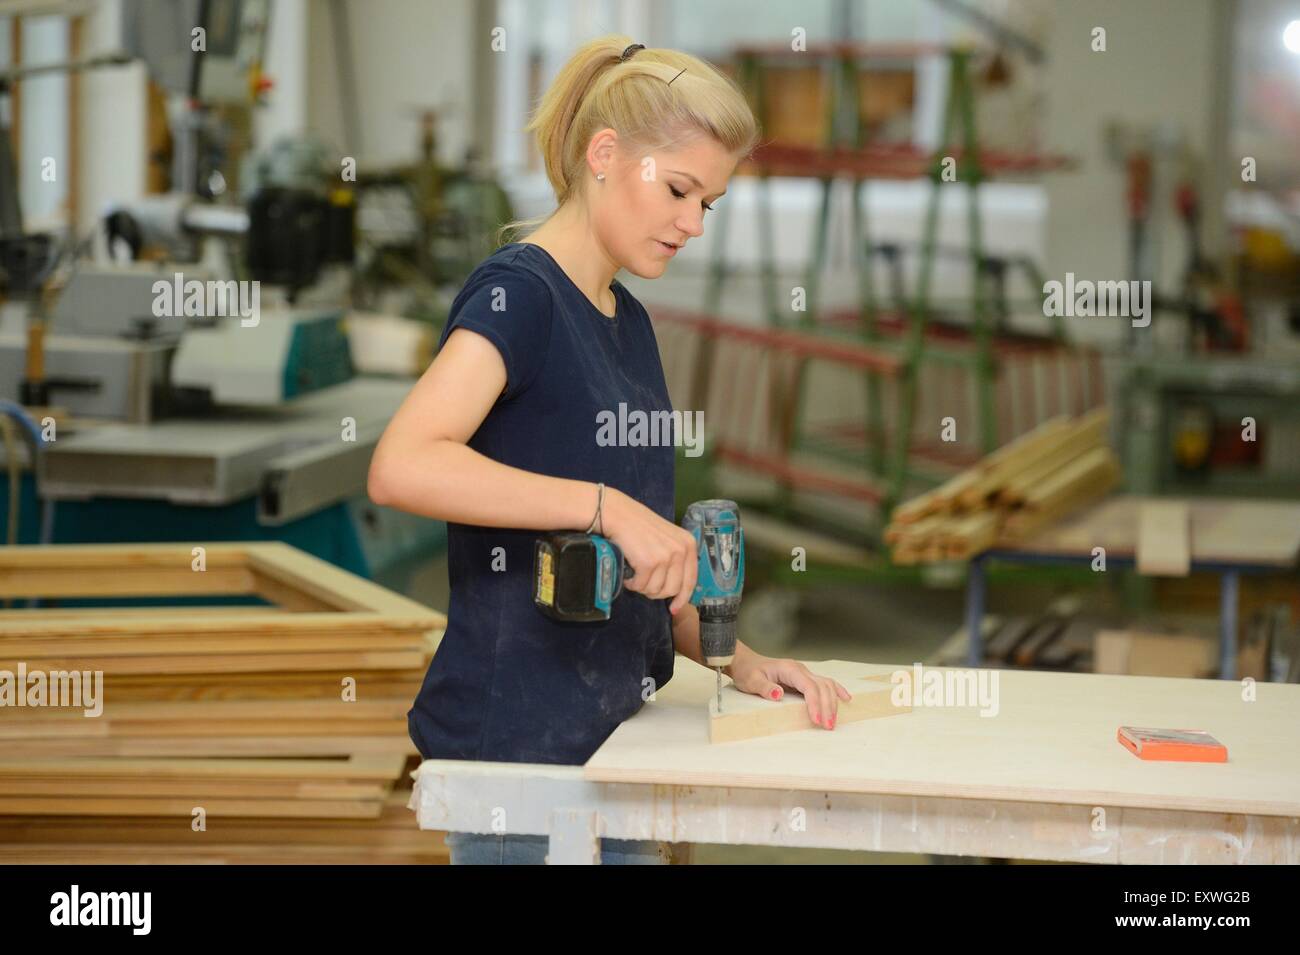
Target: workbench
x: 1227, y: 537
x: 1043, y: 779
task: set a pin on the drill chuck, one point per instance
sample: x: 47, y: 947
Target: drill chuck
x: 721, y: 548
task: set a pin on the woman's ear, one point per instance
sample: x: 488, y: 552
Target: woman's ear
x: 600, y: 151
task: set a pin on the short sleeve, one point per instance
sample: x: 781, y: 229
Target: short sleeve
x: 511, y: 307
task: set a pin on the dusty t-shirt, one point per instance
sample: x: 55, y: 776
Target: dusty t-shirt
x: 508, y: 683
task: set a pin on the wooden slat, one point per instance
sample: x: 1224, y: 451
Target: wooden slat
x: 1163, y: 543
x: 228, y: 663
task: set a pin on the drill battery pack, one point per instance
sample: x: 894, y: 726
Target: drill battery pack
x: 576, y: 576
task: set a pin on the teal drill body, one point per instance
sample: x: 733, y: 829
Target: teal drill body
x: 577, y: 576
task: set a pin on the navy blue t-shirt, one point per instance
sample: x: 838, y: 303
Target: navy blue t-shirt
x: 507, y: 683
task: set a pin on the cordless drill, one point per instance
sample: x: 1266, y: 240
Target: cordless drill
x: 577, y: 576
x: 720, y: 542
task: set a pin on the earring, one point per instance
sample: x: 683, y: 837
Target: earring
x: 600, y: 176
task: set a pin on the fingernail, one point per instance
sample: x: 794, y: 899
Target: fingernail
x: 776, y: 694
x: 832, y: 723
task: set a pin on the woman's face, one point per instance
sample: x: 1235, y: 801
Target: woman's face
x: 647, y: 208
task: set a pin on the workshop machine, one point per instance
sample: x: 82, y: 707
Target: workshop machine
x: 202, y: 387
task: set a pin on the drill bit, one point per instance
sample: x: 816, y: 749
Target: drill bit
x: 719, y: 671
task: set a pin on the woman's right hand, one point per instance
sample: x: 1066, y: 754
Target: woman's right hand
x: 662, y: 553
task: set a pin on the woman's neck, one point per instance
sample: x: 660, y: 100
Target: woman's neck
x: 571, y: 242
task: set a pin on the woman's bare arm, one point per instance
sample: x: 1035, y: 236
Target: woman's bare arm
x: 422, y: 463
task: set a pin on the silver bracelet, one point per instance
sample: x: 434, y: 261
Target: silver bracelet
x: 599, y: 516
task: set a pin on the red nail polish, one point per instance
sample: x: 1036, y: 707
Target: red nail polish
x: 776, y: 694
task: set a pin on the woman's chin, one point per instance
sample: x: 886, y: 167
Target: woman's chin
x: 649, y: 268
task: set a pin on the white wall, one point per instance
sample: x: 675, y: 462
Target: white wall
x: 285, y: 61
x: 408, y: 56
x: 111, y: 149
x: 44, y: 133
x: 1156, y: 70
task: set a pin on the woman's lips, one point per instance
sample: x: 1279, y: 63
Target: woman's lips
x: 670, y: 249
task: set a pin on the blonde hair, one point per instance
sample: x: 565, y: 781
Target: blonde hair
x: 647, y: 99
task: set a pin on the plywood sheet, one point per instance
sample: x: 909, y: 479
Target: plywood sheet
x: 1052, y: 739
x: 746, y: 716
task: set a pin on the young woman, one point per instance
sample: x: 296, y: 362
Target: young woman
x: 499, y: 437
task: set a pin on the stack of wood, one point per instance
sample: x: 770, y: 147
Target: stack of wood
x: 237, y: 733
x: 1030, y: 483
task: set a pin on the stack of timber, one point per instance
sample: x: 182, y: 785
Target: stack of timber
x: 1013, y: 492
x: 272, y: 732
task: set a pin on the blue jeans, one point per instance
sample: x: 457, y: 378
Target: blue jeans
x: 472, y: 848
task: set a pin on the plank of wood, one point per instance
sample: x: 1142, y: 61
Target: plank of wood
x: 190, y: 789
x: 1029, y: 521
x: 935, y: 501
x: 180, y: 624
x: 314, y: 577
x: 204, y: 711
x: 354, y: 766
x: 1136, y: 653
x: 191, y: 645
x: 227, y: 663
x: 282, y: 574
x: 164, y: 806
x: 241, y: 746
x: 1163, y: 544
x: 996, y: 468
x: 1228, y: 531
x: 177, y: 729
x: 1052, y: 740
x: 1080, y: 482
x: 122, y: 613
x: 1089, y: 434
x: 746, y: 716
x: 972, y: 535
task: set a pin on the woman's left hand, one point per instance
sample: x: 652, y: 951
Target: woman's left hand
x: 767, y: 677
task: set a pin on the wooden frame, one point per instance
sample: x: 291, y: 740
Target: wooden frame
x: 241, y: 710
x: 319, y: 618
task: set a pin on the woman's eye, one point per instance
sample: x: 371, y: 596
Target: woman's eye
x: 682, y: 195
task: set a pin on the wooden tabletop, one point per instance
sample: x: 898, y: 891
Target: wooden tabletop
x: 1052, y: 740
x: 1223, y: 531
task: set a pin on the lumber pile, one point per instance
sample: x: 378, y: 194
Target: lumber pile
x: 1013, y: 492
x: 388, y: 839
x: 278, y: 727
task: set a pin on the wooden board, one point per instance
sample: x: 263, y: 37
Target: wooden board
x: 746, y: 716
x: 1222, y: 530
x: 1163, y: 548
x: 1052, y: 740
x: 390, y: 837
x: 1153, y: 654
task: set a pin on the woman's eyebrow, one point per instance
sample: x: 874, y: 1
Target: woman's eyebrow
x: 698, y: 184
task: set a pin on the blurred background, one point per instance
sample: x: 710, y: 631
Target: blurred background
x: 866, y: 318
